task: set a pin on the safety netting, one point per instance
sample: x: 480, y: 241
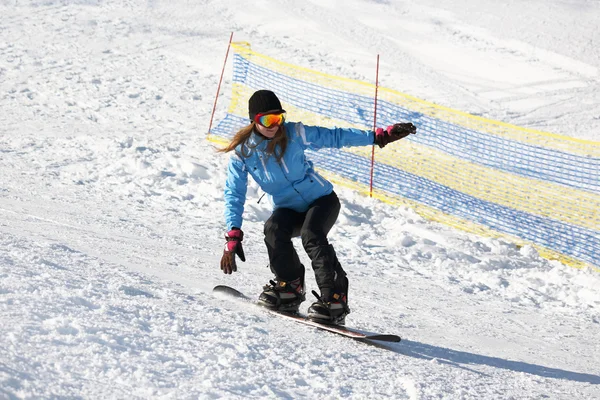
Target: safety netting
x: 472, y: 173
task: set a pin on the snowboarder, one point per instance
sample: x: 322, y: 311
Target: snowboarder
x: 271, y: 150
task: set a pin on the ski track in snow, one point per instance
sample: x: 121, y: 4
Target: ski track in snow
x: 111, y: 211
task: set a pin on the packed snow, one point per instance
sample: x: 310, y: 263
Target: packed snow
x: 111, y: 206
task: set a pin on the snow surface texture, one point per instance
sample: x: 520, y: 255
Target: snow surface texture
x: 111, y: 206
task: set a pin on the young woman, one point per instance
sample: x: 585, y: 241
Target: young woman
x: 271, y: 150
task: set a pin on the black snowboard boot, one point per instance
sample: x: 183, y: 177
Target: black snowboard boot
x: 284, y: 296
x: 331, y: 306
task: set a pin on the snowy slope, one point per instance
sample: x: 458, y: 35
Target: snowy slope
x: 111, y: 206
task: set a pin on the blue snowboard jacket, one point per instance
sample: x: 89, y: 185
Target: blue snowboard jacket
x: 292, y: 182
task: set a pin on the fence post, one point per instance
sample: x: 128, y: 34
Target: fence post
x: 219, y: 86
x: 374, y: 127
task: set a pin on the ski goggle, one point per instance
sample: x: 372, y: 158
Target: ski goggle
x: 269, y: 120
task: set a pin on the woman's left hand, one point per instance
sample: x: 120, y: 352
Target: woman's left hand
x: 393, y: 133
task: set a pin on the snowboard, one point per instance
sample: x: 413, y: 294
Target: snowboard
x: 338, y: 329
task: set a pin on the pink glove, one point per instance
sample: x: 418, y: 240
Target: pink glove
x: 233, y: 246
x: 393, y: 133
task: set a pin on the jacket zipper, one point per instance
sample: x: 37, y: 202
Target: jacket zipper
x: 285, y: 166
x: 262, y: 161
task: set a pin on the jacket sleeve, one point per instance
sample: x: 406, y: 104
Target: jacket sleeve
x: 317, y: 137
x: 236, y: 187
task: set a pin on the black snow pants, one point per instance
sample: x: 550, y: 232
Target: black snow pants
x: 312, y: 226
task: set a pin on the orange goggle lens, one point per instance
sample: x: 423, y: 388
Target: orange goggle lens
x: 269, y: 120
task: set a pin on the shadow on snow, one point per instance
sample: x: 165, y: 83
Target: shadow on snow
x: 462, y: 359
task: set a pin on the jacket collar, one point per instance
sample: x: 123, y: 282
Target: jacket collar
x: 257, y: 140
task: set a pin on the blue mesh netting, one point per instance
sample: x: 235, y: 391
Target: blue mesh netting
x: 478, y: 147
x: 492, y: 151
x: 568, y: 239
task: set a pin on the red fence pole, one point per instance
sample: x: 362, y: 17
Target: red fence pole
x: 374, y: 127
x: 219, y: 87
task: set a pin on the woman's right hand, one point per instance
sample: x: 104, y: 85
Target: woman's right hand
x: 233, y: 246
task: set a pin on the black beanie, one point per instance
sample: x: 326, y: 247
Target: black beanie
x: 262, y: 101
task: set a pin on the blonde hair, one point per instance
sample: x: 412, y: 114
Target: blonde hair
x: 279, y: 142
